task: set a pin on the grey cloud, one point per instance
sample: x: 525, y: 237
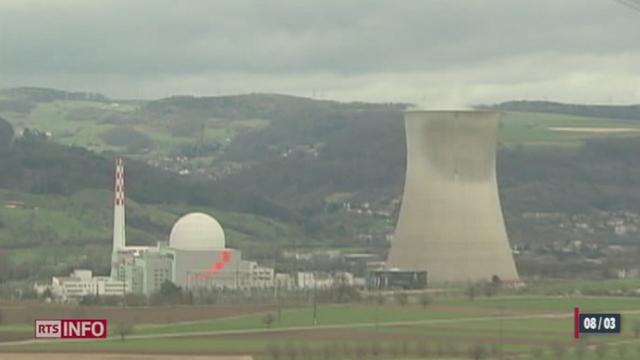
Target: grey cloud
x: 137, y: 43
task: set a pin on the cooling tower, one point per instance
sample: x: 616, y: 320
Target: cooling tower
x: 450, y: 221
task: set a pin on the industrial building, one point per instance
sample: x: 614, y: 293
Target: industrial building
x: 194, y: 257
x: 82, y: 283
x: 450, y: 224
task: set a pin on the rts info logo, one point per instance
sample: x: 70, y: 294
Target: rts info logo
x: 70, y: 329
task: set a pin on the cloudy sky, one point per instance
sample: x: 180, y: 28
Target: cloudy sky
x: 438, y: 53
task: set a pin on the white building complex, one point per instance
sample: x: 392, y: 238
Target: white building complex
x: 82, y: 283
x: 196, y: 257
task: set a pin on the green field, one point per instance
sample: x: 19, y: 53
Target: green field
x: 82, y: 123
x: 79, y: 227
x: 519, y: 128
x: 446, y: 328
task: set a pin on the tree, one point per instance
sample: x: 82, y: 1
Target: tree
x: 360, y: 351
x: 375, y: 350
x: 490, y: 289
x: 46, y: 294
x: 327, y: 352
x: 28, y: 293
x: 6, y: 135
x: 495, y: 349
x: 405, y: 349
x: 292, y: 352
x: 477, y: 352
x: 275, y: 351
x: 4, y: 266
x: 341, y: 293
x: 401, y: 298
x: 268, y: 319
x: 470, y: 291
x: 123, y: 329
x: 170, y: 292
x: 425, y: 300
x: 636, y: 328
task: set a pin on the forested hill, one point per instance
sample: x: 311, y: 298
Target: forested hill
x: 38, y: 94
x: 280, y: 169
x: 24, y: 99
x: 627, y: 112
x: 262, y: 106
x: 334, y: 169
x: 33, y: 164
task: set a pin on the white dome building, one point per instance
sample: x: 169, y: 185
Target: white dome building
x: 197, y: 231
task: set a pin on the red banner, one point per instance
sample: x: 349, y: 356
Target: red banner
x: 70, y: 329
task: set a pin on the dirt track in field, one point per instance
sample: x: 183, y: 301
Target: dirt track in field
x: 26, y: 314
x: 82, y: 356
x: 14, y: 336
x: 600, y: 130
x: 369, y: 336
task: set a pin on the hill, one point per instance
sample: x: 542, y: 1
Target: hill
x: 625, y: 112
x: 50, y: 234
x: 55, y: 207
x: 332, y: 171
x: 39, y: 166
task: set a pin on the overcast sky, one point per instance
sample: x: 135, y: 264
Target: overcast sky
x: 439, y: 53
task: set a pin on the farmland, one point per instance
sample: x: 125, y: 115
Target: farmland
x: 79, y: 227
x: 85, y: 123
x: 446, y: 328
x: 541, y: 129
x: 171, y: 126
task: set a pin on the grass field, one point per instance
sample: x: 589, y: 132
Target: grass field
x: 84, y: 219
x: 517, y: 326
x: 81, y: 123
x: 539, y: 129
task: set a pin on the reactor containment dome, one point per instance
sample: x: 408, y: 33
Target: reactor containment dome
x: 450, y: 221
x: 197, y: 231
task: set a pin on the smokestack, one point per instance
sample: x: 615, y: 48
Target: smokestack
x: 119, y: 239
x: 450, y: 221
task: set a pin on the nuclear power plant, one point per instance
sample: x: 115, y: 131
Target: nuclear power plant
x: 450, y: 224
x: 450, y: 228
x: 194, y: 257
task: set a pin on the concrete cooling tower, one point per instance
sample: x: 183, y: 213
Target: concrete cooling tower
x: 450, y: 221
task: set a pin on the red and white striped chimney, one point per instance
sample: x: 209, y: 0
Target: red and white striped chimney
x: 119, y: 238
